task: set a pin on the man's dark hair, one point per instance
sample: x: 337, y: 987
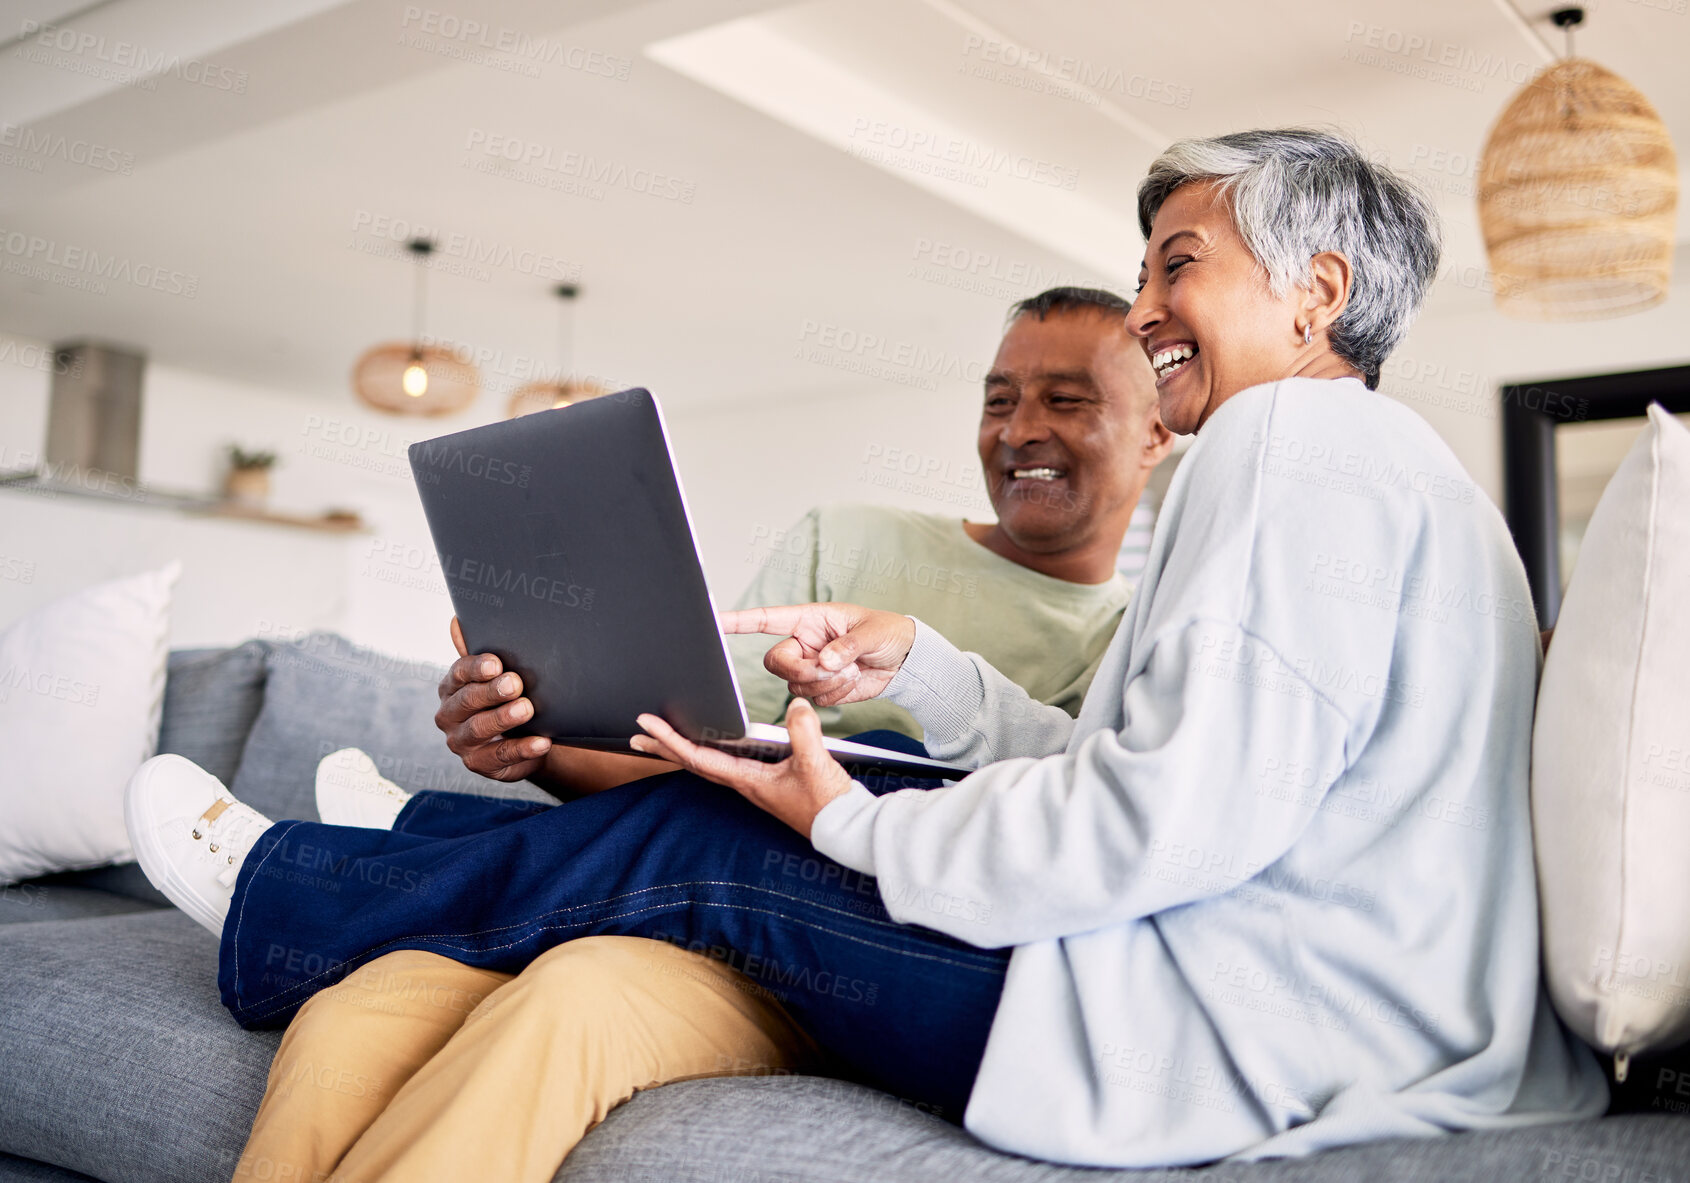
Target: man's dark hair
x: 1071, y: 300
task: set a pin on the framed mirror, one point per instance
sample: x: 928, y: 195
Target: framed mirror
x: 1561, y: 441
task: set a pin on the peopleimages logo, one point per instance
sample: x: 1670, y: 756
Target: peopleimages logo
x: 441, y: 456
x: 33, y: 256
x: 37, y: 357
x: 40, y: 145
x: 467, y: 34
x: 1297, y: 459
x: 481, y: 582
x: 1431, y: 53
x: 823, y: 339
x: 1324, y: 1004
x: 1397, y: 587
x: 17, y: 570
x: 990, y: 264
x: 126, y: 55
x: 57, y: 477
x: 532, y: 161
x: 47, y: 684
x: 1086, y: 78
x: 471, y: 249
x: 951, y: 157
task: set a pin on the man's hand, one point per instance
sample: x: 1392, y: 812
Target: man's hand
x: 833, y: 653
x: 479, y: 701
x: 795, y: 790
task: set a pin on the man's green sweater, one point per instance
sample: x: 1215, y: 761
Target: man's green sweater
x: 1046, y: 634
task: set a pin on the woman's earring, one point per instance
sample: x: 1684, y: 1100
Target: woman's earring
x: 1308, y: 333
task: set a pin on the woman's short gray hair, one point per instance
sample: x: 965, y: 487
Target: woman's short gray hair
x: 1295, y: 193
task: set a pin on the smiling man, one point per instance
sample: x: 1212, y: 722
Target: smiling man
x: 1069, y: 435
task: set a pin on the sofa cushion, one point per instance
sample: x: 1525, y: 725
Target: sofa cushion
x: 42, y: 900
x: 119, y: 1060
x: 211, y: 698
x: 124, y: 879
x: 1611, y: 761
x: 23, y: 1170
x: 805, y: 1130
x: 81, y: 691
x: 120, y: 1063
x: 323, y: 693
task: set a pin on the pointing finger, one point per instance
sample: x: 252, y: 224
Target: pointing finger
x: 777, y: 621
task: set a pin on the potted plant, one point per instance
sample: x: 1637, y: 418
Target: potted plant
x: 248, y: 481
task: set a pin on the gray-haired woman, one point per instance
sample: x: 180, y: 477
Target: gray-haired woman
x: 1272, y: 891
x: 1275, y: 892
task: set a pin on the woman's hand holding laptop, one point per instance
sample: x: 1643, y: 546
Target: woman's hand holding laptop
x: 794, y: 790
x: 833, y: 653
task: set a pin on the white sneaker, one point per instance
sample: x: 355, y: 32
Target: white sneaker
x: 350, y: 792
x: 190, y: 835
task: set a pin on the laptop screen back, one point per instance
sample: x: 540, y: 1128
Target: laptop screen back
x: 567, y: 550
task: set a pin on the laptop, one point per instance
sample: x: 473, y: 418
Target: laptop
x: 568, y: 551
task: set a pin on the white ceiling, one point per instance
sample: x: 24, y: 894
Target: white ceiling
x: 795, y: 218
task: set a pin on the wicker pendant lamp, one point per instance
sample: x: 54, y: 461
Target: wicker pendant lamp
x: 415, y: 379
x: 549, y: 395
x: 1578, y: 195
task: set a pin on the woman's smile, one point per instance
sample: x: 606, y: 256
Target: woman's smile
x: 1168, y: 360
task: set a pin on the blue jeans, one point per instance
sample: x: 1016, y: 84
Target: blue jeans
x: 494, y: 884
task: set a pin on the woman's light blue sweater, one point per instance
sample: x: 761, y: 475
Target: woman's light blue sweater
x: 1273, y: 891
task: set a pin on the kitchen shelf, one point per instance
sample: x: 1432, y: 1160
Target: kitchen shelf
x: 50, y: 485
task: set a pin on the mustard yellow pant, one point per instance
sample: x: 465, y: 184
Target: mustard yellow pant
x: 417, y: 1068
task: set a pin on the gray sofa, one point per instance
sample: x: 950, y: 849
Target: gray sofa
x: 118, y: 1063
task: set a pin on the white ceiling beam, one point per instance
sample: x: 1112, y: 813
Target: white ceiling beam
x: 1156, y: 140
x: 789, y: 81
x: 89, y: 52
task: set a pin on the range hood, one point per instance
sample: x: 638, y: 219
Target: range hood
x: 93, y: 446
x: 93, y: 428
x: 94, y: 415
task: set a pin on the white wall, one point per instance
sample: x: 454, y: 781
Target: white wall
x: 1461, y: 350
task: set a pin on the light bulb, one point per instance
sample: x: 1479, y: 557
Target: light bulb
x: 415, y: 380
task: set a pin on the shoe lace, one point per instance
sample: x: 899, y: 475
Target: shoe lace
x: 229, y: 832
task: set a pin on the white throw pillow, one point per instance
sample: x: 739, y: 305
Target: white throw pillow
x: 1611, y: 762
x: 81, y: 692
